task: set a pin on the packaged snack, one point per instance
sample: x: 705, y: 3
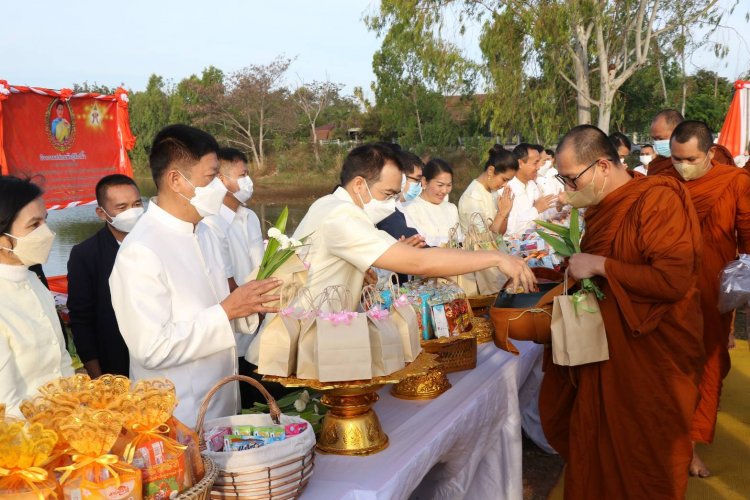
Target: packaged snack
x: 238, y: 443
x: 440, y: 320
x: 269, y: 434
x: 245, y: 431
x: 215, y: 438
x: 294, y: 429
x: 187, y: 437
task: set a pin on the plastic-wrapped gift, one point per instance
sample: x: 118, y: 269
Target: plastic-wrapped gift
x: 163, y: 461
x: 24, y: 448
x: 94, y: 473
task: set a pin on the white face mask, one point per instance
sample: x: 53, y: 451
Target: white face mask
x: 33, y: 248
x: 246, y: 189
x: 207, y: 199
x: 545, y: 168
x: 377, y: 210
x: 125, y: 221
x: 645, y: 159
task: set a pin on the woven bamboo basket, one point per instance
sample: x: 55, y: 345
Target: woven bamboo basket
x: 454, y: 353
x: 202, y: 489
x: 282, y: 479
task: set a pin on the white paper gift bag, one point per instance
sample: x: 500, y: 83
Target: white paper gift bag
x: 280, y: 334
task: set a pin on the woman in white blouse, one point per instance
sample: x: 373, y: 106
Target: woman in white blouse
x: 431, y: 214
x: 32, y: 347
x: 500, y: 168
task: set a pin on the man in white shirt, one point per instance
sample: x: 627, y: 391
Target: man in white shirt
x: 545, y: 179
x: 171, y: 298
x: 528, y: 202
x: 647, y: 154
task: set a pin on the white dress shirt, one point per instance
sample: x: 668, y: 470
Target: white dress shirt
x: 32, y: 346
x: 523, y: 214
x: 167, y: 285
x: 641, y: 169
x: 476, y: 199
x: 548, y: 184
x: 434, y: 222
x: 343, y: 243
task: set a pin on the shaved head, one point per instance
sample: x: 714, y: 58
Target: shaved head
x: 690, y: 129
x: 588, y: 144
x: 671, y: 117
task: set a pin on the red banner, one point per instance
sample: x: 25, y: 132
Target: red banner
x: 70, y: 140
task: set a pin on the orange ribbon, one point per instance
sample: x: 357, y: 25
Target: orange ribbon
x: 110, y: 462
x: 157, y: 432
x: 30, y: 476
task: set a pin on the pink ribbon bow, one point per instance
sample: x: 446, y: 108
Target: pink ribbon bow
x: 378, y: 313
x: 401, y: 301
x: 339, y: 318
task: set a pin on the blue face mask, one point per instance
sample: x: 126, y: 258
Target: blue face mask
x: 662, y: 147
x: 414, y: 191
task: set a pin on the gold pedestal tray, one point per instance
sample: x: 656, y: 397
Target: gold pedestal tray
x: 351, y: 426
x: 480, y: 304
x: 482, y: 329
x: 428, y: 386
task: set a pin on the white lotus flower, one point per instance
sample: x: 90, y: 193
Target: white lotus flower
x: 284, y: 241
x: 300, y: 405
x: 274, y: 233
x: 305, y: 396
x: 295, y: 243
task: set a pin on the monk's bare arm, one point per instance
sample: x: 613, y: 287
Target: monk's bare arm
x: 665, y: 240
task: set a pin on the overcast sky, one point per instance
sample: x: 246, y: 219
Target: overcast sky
x: 55, y: 44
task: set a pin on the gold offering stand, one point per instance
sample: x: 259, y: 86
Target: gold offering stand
x: 351, y: 426
x: 482, y: 326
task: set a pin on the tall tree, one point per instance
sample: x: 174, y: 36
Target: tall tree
x: 594, y: 45
x: 249, y: 106
x: 149, y: 113
x: 313, y: 98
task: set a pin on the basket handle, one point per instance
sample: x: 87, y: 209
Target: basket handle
x: 272, y: 405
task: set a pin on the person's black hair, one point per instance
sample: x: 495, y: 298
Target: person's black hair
x: 694, y: 128
x: 410, y: 162
x: 59, y: 103
x: 179, y: 146
x: 550, y: 152
x: 368, y: 161
x: 15, y: 193
x: 435, y: 167
x: 231, y: 155
x: 502, y: 159
x: 108, y: 181
x: 589, y: 143
x: 539, y: 148
x: 521, y: 152
x: 620, y: 140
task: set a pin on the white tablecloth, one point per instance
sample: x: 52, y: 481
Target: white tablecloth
x: 464, y: 444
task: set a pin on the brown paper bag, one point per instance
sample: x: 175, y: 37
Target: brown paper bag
x: 385, y: 341
x: 307, y: 366
x: 404, y: 317
x: 578, y: 334
x: 279, y: 335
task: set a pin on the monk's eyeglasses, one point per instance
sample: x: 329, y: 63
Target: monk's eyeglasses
x: 567, y: 181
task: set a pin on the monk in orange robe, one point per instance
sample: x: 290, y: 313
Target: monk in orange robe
x: 623, y: 425
x: 661, y: 130
x: 721, y: 194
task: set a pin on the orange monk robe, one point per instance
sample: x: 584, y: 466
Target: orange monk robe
x: 623, y: 425
x: 722, y: 201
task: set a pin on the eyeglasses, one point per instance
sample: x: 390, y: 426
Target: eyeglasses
x: 415, y: 179
x: 567, y: 181
x: 389, y: 197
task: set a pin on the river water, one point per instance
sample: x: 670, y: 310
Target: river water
x: 73, y: 225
